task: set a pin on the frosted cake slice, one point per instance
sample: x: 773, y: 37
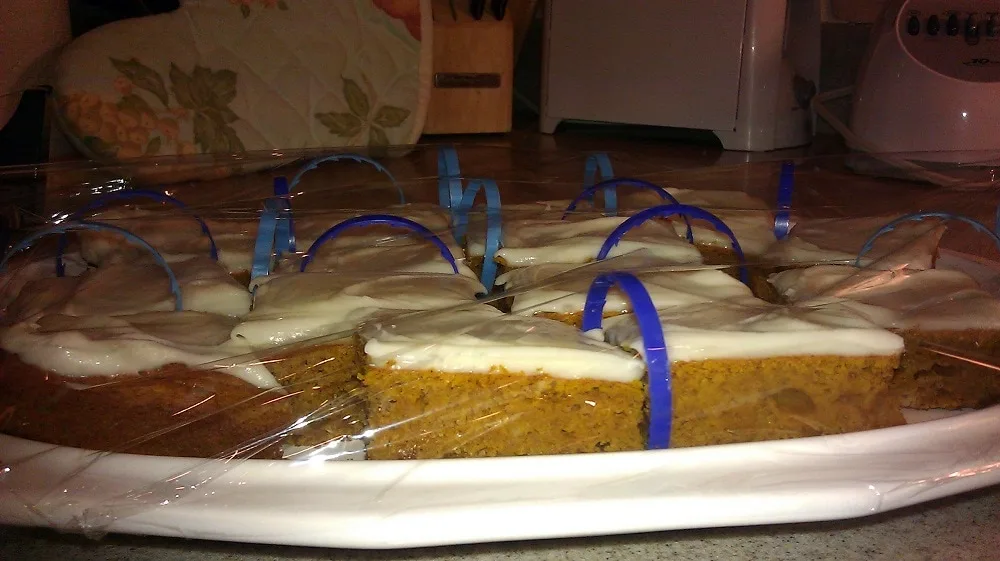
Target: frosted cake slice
x: 745, y: 370
x: 560, y: 291
x: 322, y: 312
x: 160, y: 383
x: 479, y: 383
x: 579, y: 238
x: 951, y: 326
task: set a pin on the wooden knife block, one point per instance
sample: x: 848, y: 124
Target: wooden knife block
x: 472, y: 84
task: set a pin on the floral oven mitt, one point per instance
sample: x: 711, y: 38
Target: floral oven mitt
x: 238, y: 75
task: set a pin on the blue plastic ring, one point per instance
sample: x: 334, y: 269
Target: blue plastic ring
x: 600, y: 163
x: 786, y: 188
x: 284, y: 237
x: 611, y: 184
x: 494, y: 223
x: 916, y: 217
x: 315, y: 163
x: 175, y: 287
x: 374, y: 219
x: 267, y: 234
x: 131, y: 194
x: 657, y: 361
x: 449, y: 178
x: 670, y: 210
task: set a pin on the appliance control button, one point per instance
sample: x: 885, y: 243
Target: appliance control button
x: 971, y: 28
x: 933, y: 25
x: 913, y: 25
x: 952, y: 25
x: 991, y: 27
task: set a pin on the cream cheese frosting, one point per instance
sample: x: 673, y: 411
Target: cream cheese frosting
x: 175, y: 234
x: 753, y: 229
x: 748, y: 217
x: 293, y: 307
x: 839, y: 240
x: 422, y: 257
x: 579, y: 238
x: 930, y: 299
x: 310, y: 225
x: 563, y: 289
x: 32, y: 267
x: 78, y: 347
x: 130, y: 288
x: 751, y: 328
x: 475, y: 243
x: 482, y: 340
x: 708, y: 199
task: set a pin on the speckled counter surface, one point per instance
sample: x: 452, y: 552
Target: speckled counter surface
x: 959, y: 528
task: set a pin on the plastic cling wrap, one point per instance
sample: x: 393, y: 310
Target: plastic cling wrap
x: 158, y: 347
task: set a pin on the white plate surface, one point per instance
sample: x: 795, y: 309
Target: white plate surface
x: 419, y: 503
x: 372, y: 504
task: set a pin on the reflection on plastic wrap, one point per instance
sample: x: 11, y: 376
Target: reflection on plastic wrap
x: 269, y: 330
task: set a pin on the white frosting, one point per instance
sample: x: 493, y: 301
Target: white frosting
x: 838, y: 240
x: 748, y: 217
x: 475, y: 239
x: 175, y: 234
x: 753, y: 229
x: 376, y: 249
x: 933, y: 299
x: 751, y: 328
x: 32, y: 267
x: 482, y: 340
x: 124, y: 345
x: 299, y: 306
x: 578, y: 239
x: 535, y: 290
x: 309, y: 225
x: 709, y: 199
x: 793, y: 250
x: 143, y: 286
x: 475, y: 245
x: 422, y: 257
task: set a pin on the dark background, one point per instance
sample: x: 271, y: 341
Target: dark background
x: 24, y: 140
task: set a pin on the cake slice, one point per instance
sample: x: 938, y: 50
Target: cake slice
x: 709, y: 199
x: 475, y: 239
x: 560, y: 291
x: 159, y: 383
x: 578, y: 239
x: 321, y: 312
x: 176, y: 234
x: 374, y: 260
x: 129, y: 288
x: 298, y: 306
x: 744, y: 370
x: 376, y: 249
x: 950, y: 324
x: 750, y: 219
x: 480, y: 383
x: 913, y: 245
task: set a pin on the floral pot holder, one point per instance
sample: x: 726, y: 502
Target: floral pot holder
x: 224, y: 76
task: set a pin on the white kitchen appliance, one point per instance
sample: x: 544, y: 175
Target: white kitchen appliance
x: 744, y: 70
x: 930, y: 82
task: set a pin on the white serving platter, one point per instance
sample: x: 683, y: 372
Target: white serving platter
x: 386, y: 504
x: 395, y: 504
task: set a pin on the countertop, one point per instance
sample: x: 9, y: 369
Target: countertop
x: 957, y: 528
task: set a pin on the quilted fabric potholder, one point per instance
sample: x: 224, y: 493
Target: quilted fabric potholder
x: 240, y: 75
